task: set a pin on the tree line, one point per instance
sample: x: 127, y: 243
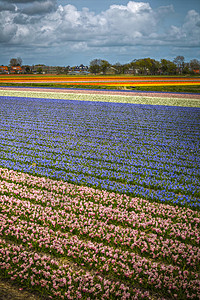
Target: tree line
x: 144, y: 66
x: 147, y: 66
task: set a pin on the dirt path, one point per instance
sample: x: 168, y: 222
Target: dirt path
x: 10, y: 291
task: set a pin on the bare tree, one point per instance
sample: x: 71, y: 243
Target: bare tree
x: 180, y: 62
x: 15, y: 62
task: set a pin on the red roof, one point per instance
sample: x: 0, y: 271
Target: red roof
x: 15, y: 69
x: 4, y: 68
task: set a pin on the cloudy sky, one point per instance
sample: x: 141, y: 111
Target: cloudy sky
x: 72, y: 32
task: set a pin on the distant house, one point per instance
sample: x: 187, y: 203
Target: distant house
x: 43, y: 69
x: 15, y: 69
x: 47, y: 69
x: 79, y: 69
x: 4, y: 70
x: 110, y: 71
x: 134, y: 71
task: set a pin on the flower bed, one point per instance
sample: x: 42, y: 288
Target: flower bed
x: 144, y: 244
x: 166, y: 99
x: 100, y: 200
x: 103, y: 80
x: 140, y: 150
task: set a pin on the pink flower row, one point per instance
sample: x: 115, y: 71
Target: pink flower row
x: 59, y: 281
x: 107, y: 260
x: 178, y: 227
x: 147, y: 243
x: 175, y: 213
x: 44, y: 214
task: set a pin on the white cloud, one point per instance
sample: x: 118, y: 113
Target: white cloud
x: 134, y: 7
x: 189, y: 33
x: 44, y: 24
x: 191, y: 27
x: 133, y: 20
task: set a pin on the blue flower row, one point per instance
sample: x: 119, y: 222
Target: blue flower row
x: 143, y: 150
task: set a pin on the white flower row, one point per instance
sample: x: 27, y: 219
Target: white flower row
x: 151, y: 100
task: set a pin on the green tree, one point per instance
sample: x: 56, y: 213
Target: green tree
x: 167, y: 67
x: 95, y: 66
x: 152, y: 65
x: 186, y: 69
x: 59, y: 70
x: 67, y: 69
x: 99, y: 65
x: 142, y: 66
x: 118, y: 68
x: 27, y: 69
x: 39, y: 70
x: 104, y: 65
x: 164, y: 64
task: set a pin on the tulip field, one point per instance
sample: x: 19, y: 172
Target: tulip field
x: 99, y: 195
x: 102, y: 81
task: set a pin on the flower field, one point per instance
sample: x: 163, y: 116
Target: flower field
x: 102, y: 80
x: 100, y: 200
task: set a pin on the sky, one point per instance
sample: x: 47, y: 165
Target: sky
x: 74, y: 32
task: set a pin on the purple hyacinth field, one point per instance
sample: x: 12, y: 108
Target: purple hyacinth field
x: 100, y: 200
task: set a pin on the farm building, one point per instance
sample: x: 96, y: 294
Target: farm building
x: 4, y: 69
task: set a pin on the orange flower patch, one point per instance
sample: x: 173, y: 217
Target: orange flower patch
x: 101, y: 80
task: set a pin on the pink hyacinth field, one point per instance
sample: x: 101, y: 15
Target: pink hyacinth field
x: 70, y: 242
